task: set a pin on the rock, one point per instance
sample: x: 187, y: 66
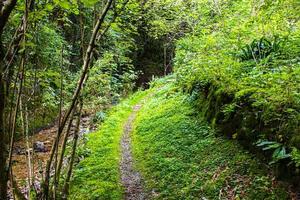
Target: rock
x: 39, y: 147
x: 19, y: 150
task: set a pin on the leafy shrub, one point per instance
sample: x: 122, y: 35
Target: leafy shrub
x: 180, y: 157
x: 260, y: 49
x: 110, y: 79
x: 241, y: 69
x: 99, y: 117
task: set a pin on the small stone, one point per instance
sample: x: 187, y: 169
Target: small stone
x: 39, y: 147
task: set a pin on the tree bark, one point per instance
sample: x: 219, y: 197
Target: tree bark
x: 86, y: 63
x: 14, y: 46
x: 6, y: 8
x: 24, y: 122
x: 21, y: 79
x: 165, y: 59
x: 64, y: 144
x: 3, y: 141
x: 69, y: 172
x: 85, y: 69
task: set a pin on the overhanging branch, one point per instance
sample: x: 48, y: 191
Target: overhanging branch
x: 6, y: 8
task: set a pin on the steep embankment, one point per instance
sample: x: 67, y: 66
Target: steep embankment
x: 178, y: 155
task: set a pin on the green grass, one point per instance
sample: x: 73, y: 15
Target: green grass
x: 98, y: 176
x: 180, y: 157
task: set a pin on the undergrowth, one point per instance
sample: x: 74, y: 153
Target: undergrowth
x: 180, y: 157
x: 241, y: 69
x: 97, y: 176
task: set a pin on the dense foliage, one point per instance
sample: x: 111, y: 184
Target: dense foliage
x: 241, y: 67
x: 180, y: 157
x: 233, y: 64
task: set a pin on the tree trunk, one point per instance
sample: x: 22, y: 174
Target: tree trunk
x: 165, y: 59
x: 69, y: 172
x: 21, y: 80
x: 3, y: 135
x: 64, y: 145
x: 85, y: 69
x: 5, y: 11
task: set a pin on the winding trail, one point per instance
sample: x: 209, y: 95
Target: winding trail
x: 131, y: 179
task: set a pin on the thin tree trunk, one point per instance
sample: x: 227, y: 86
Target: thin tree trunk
x: 24, y: 122
x: 85, y: 69
x: 69, y: 172
x: 3, y: 135
x: 59, y: 121
x: 64, y: 144
x: 87, y: 60
x: 5, y: 12
x: 14, y: 189
x: 82, y: 31
x: 104, y: 31
x: 29, y: 158
x: 14, y: 46
x: 21, y: 77
x: 165, y: 60
x: 14, y: 119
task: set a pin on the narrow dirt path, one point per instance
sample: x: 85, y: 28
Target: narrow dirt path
x: 131, y: 179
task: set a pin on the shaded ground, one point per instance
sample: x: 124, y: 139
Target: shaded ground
x: 131, y: 179
x: 40, y: 157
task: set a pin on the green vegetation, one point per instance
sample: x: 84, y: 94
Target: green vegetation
x: 241, y: 67
x: 181, y: 158
x: 176, y: 151
x: 232, y: 85
x: 98, y: 175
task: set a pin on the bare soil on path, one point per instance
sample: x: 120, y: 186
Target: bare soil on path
x: 131, y: 179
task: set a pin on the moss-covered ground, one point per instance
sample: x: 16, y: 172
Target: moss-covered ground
x: 180, y: 156
x: 97, y: 176
x: 177, y: 153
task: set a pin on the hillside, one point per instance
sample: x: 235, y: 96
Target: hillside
x: 177, y: 154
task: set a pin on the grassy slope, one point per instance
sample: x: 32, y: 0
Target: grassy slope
x: 98, y: 176
x: 178, y: 155
x: 181, y: 158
